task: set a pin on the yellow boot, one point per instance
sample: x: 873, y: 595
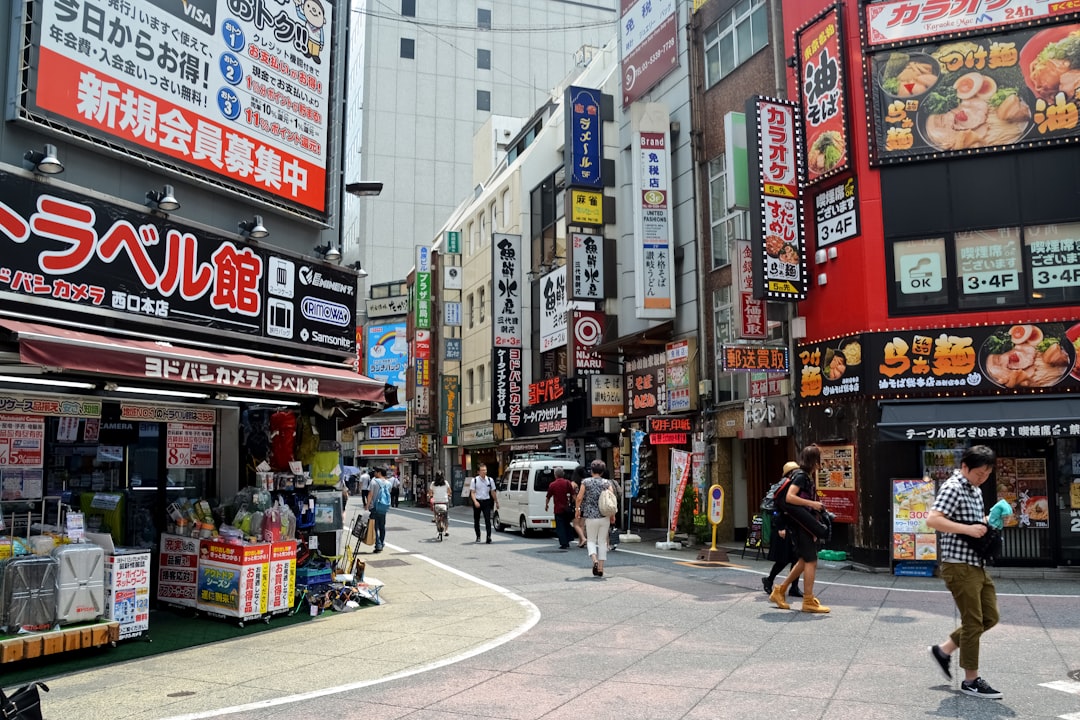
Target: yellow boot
x: 810, y: 604
x: 778, y: 594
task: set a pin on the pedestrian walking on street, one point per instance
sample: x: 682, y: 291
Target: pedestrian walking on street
x: 378, y: 504
x: 395, y: 489
x: 781, y: 545
x: 596, y: 525
x: 439, y: 493
x: 802, y: 509
x: 364, y: 483
x: 578, y: 523
x: 958, y: 514
x: 484, y: 496
x: 561, y: 492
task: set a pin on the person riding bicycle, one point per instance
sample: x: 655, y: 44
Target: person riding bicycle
x: 439, y: 492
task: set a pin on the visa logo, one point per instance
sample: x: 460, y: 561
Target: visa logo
x: 200, y: 16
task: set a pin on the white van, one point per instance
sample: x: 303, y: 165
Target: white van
x: 523, y: 490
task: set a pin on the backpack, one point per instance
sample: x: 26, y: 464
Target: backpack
x: 382, y: 500
x: 776, y: 499
x: 609, y: 504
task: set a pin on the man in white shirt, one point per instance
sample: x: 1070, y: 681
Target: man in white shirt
x: 395, y: 488
x: 483, y: 495
x: 364, y: 482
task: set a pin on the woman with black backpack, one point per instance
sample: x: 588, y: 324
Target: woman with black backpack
x: 781, y: 547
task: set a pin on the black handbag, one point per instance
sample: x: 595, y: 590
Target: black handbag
x: 23, y: 704
x: 988, y: 547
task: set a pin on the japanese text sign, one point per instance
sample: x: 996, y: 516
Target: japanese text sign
x: 586, y: 207
x: 681, y: 375
x: 422, y: 287
x: 899, y: 21
x: 586, y: 266
x: 450, y: 402
x: 605, y: 396
x: 752, y: 313
x: 754, y: 358
x: 83, y: 254
x: 584, y: 137
x: 506, y: 272
x: 985, y: 93
x: 648, y: 46
x: 553, y: 309
x: 645, y: 382
x: 238, y: 90
x: 836, y: 213
x: 826, y: 370
x: 823, y: 93
x: 586, y: 334
x: 654, y: 266
x: 778, y: 224
x: 547, y: 390
x: 507, y: 390
x: 836, y: 482
x: 189, y: 446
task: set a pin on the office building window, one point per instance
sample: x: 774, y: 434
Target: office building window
x: 483, y: 19
x: 408, y: 8
x: 408, y: 48
x: 483, y: 100
x: 727, y: 225
x: 480, y: 375
x: 470, y: 382
x: 480, y: 300
x: 734, y: 38
x: 728, y: 385
x: 483, y: 59
x: 470, y: 308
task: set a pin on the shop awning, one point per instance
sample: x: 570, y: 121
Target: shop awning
x: 49, y: 346
x: 980, y: 419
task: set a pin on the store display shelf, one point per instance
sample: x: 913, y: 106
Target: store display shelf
x: 52, y: 642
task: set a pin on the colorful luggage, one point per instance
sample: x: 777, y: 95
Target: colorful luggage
x: 80, y: 583
x: 28, y: 590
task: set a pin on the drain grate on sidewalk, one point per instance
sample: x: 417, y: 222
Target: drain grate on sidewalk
x: 388, y: 562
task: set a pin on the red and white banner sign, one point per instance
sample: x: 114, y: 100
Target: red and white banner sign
x: 586, y: 333
x: 236, y: 90
x: 897, y: 21
x: 189, y: 446
x: 751, y: 310
x: 22, y: 441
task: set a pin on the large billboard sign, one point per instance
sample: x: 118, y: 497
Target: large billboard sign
x: 236, y: 90
x: 649, y: 47
x: 62, y: 249
x: 900, y: 21
x: 1013, y: 89
x: 387, y: 349
x: 654, y: 256
x: 823, y: 93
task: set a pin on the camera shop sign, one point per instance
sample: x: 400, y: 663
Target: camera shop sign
x: 543, y: 419
x: 664, y: 430
x: 78, y: 253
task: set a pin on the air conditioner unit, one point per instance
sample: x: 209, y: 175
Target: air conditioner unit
x: 611, y: 425
x: 704, y: 388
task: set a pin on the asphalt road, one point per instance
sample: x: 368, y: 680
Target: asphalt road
x: 518, y: 629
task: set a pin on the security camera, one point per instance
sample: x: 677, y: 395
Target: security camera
x: 829, y: 412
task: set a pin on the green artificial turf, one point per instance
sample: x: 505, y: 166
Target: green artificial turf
x: 169, y: 630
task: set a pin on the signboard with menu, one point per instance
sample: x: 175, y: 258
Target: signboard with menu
x: 829, y: 369
x: 1008, y: 90
x: 912, y: 539
x: 836, y: 482
x: 823, y: 92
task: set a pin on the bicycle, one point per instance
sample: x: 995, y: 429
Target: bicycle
x: 442, y: 520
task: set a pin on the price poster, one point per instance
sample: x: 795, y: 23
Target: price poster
x: 190, y: 446
x: 912, y: 537
x: 22, y: 441
x: 836, y: 482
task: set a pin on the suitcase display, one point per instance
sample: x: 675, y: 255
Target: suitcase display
x: 80, y: 583
x: 28, y: 589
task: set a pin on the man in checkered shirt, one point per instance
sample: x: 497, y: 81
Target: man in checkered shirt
x: 959, y: 510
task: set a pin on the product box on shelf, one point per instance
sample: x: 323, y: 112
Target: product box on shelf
x: 233, y: 579
x: 178, y: 570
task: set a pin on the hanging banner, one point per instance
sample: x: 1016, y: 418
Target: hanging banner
x: 586, y: 334
x: 776, y: 205
x: 654, y: 259
x: 648, y: 44
x: 422, y: 288
x: 823, y: 93
x: 506, y: 271
x: 680, y: 474
x: 752, y: 314
x: 450, y: 401
x: 636, y: 438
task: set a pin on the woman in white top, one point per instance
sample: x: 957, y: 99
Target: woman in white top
x: 439, y: 492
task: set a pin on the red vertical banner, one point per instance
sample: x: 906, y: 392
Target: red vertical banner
x: 823, y: 96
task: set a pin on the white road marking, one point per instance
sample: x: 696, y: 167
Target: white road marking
x: 531, y: 620
x: 1069, y: 686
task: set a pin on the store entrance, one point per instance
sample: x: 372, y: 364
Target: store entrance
x: 123, y: 474
x: 1065, y: 503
